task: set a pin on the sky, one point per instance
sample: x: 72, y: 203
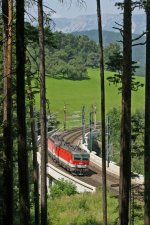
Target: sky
x: 72, y: 10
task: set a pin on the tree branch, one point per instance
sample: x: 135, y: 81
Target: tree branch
x: 140, y: 36
x: 142, y: 43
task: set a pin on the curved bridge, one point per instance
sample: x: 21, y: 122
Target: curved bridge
x: 54, y: 173
x: 57, y: 174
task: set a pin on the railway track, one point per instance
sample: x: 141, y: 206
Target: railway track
x: 74, y: 137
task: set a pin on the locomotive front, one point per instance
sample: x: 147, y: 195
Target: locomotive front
x: 80, y: 160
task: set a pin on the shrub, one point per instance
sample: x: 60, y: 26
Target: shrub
x: 62, y: 187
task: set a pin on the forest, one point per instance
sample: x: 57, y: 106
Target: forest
x: 29, y: 54
x: 115, y: 37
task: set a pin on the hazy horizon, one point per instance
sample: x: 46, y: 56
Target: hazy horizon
x: 67, y: 10
x: 73, y: 10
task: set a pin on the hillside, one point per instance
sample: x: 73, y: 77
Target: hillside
x: 109, y: 37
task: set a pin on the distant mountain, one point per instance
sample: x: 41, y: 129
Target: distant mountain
x: 89, y: 22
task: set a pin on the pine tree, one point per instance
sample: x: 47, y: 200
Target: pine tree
x: 147, y: 121
x: 21, y: 116
x: 102, y: 113
x: 125, y: 154
x: 7, y: 115
x: 42, y: 115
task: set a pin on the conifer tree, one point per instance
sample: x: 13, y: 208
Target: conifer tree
x: 102, y: 113
x: 21, y: 116
x: 125, y: 154
x: 42, y: 115
x: 147, y: 121
x: 7, y: 115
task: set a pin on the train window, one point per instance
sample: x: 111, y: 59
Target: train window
x: 85, y: 157
x: 77, y: 157
x: 81, y: 157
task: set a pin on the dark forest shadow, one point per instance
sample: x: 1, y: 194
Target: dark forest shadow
x: 61, y: 77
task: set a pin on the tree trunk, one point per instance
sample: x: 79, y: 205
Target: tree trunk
x: 21, y: 116
x: 104, y: 188
x: 7, y: 117
x: 42, y: 115
x: 147, y: 121
x: 125, y: 155
x: 35, y: 150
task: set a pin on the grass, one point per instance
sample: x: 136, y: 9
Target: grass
x: 85, y: 209
x: 80, y: 209
x: 75, y: 94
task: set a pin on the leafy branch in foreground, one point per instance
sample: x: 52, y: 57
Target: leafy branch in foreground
x: 114, y: 63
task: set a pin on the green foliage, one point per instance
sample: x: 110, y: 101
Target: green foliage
x: 92, y: 60
x: 137, y: 138
x: 115, y: 126
x: 114, y: 63
x: 66, y: 55
x: 115, y: 37
x: 70, y: 56
x: 31, y: 33
x: 62, y: 187
x: 113, y: 58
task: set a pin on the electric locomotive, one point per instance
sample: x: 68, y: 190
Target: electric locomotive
x: 72, y: 158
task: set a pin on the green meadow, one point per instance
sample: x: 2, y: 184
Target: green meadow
x: 76, y: 93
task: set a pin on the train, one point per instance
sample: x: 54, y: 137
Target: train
x: 72, y: 158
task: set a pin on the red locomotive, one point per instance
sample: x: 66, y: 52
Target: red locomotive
x: 70, y: 157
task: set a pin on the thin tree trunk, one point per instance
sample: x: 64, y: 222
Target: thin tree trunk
x: 21, y: 116
x: 125, y: 155
x: 42, y: 115
x: 7, y: 118
x: 147, y: 121
x: 35, y: 150
x: 104, y: 187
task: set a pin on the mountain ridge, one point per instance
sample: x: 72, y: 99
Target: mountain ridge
x: 89, y: 22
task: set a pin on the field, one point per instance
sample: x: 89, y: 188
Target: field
x: 75, y: 94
